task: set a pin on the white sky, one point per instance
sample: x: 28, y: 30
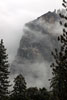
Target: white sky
x: 33, y: 6
x: 13, y: 15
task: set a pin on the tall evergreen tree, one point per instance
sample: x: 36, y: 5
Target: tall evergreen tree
x: 4, y: 72
x: 59, y: 67
x: 19, y: 88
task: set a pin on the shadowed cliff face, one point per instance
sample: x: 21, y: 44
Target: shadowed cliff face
x: 33, y: 57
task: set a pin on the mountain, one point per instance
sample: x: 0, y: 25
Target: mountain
x: 33, y: 57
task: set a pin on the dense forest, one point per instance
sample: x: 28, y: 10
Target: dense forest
x: 58, y: 83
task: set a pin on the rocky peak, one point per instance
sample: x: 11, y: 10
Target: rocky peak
x: 50, y: 17
x: 34, y: 52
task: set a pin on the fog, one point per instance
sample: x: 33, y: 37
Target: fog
x: 37, y: 74
x: 11, y: 30
x: 13, y: 15
x: 11, y: 25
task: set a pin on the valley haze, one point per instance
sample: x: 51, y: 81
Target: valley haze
x: 22, y: 20
x: 15, y: 13
x: 33, y: 56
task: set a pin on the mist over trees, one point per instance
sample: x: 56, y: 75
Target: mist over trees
x: 20, y: 90
x: 59, y: 70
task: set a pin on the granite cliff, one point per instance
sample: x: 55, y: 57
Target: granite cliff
x: 33, y: 57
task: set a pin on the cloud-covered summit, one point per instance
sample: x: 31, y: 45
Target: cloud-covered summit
x: 14, y: 14
x: 34, y: 53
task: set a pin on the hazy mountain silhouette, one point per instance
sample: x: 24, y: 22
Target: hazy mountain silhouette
x: 34, y: 53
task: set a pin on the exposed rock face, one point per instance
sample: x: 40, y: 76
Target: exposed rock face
x: 34, y: 54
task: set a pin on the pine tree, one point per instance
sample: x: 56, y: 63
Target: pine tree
x: 4, y: 72
x: 59, y: 67
x: 19, y: 88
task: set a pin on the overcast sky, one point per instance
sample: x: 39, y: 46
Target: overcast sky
x: 13, y: 15
x: 9, y: 7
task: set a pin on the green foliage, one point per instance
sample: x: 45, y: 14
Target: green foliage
x: 4, y: 83
x: 59, y: 67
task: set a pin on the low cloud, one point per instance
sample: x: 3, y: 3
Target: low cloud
x: 13, y: 15
x: 11, y: 29
x: 36, y: 74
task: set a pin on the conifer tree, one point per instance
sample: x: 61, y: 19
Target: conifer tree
x: 59, y: 67
x: 19, y: 88
x: 4, y: 72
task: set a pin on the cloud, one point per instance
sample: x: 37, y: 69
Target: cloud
x: 36, y: 74
x: 11, y: 26
x: 14, y: 14
x: 39, y: 74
